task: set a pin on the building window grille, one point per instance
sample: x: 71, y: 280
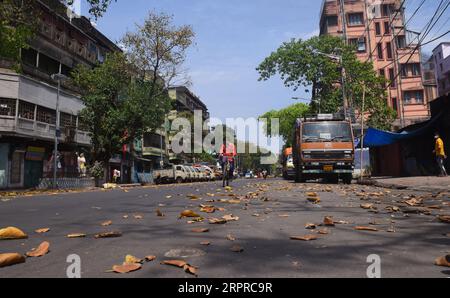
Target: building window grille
x: 26, y: 110
x: 45, y: 115
x: 7, y: 107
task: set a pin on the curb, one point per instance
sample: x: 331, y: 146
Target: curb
x: 377, y: 183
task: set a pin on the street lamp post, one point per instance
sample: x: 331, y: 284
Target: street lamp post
x: 57, y: 77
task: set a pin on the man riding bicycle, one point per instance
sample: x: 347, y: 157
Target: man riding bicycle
x: 226, y: 155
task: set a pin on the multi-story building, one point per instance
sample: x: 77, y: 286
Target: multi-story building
x: 28, y: 99
x: 429, y: 79
x: 377, y: 29
x: 157, y: 146
x: 441, y: 57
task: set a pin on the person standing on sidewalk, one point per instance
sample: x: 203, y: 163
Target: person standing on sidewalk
x: 440, y: 155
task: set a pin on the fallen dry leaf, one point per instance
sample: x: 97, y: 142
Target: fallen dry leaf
x: 230, y: 217
x: 205, y: 243
x: 126, y: 268
x: 231, y: 237
x: 311, y: 194
x: 208, y: 209
x: 444, y: 218
x: 12, y: 233
x: 9, y: 259
x: 190, y: 269
x: 217, y: 221
x: 77, y: 235
x: 150, y: 258
x: 176, y: 263
x: 304, y: 238
x: 138, y: 216
x: 200, y: 230
x: 113, y: 234
x: 188, y: 213
x: 159, y: 213
x: 328, y: 221
x: 237, y: 248
x: 370, y: 229
x: 310, y: 226
x: 42, y: 231
x: 414, y: 202
x: 107, y: 223
x: 42, y: 250
x: 129, y: 259
x: 367, y: 206
x: 443, y: 261
x: 314, y: 200
x: 324, y: 231
x: 125, y: 216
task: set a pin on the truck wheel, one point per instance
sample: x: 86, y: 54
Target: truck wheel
x: 179, y: 180
x: 348, y: 178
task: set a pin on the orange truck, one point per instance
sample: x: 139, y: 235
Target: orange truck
x: 324, y: 148
x: 288, y: 164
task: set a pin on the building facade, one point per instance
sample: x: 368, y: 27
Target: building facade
x: 157, y: 146
x: 377, y: 30
x: 441, y: 57
x: 28, y: 99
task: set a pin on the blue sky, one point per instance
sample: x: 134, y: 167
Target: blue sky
x: 232, y: 38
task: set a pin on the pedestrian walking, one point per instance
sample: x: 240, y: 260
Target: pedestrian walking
x: 439, y: 151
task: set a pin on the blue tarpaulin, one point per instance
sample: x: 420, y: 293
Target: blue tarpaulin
x: 378, y: 138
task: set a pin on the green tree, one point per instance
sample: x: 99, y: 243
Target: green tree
x: 300, y: 65
x: 118, y: 106
x: 287, y: 118
x: 17, y: 22
x: 96, y: 7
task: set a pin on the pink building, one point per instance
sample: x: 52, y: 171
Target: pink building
x: 377, y: 30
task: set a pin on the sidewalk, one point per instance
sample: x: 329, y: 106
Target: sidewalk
x: 424, y: 183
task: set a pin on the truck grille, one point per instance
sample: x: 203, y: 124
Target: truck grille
x: 327, y: 155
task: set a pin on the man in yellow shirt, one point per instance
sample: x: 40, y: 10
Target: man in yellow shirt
x: 440, y: 155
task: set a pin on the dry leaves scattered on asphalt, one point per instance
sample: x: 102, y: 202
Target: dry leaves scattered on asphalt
x: 370, y: 229
x: 188, y: 213
x: 205, y: 243
x: 12, y: 233
x: 126, y: 268
x: 328, y: 221
x: 9, y: 259
x: 107, y: 223
x: 217, y: 221
x: 231, y: 237
x: 42, y: 250
x: 76, y: 235
x: 113, y: 234
x: 182, y: 264
x: 444, y: 218
x: 159, y: 213
x: 310, y: 226
x: 304, y: 238
x: 443, y: 261
x: 230, y: 217
x: 42, y: 231
x: 207, y: 208
x: 200, y: 230
x: 150, y: 258
x: 237, y: 248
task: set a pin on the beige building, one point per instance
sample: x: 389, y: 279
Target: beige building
x: 377, y: 30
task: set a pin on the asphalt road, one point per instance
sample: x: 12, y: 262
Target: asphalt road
x: 263, y: 230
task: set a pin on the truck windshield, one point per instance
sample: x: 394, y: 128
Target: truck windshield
x: 327, y: 132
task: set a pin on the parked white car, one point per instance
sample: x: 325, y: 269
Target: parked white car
x: 171, y: 174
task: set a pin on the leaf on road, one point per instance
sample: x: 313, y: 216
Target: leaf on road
x: 210, y: 194
x: 314, y: 200
x: 217, y: 221
x: 42, y: 231
x: 208, y: 209
x: 138, y: 216
x: 230, y: 217
x: 304, y: 238
x: 113, y: 234
x: 367, y: 206
x: 176, y: 263
x: 188, y: 213
x: 444, y: 218
x: 231, y: 237
x: 284, y: 215
x: 237, y: 248
x: 328, y: 221
x: 200, y: 230
x: 310, y: 226
x: 392, y: 209
x: 414, y: 202
x: 205, y: 243
x: 150, y: 258
x: 194, y: 197
x: 443, y: 261
x: 168, y: 197
x: 324, y: 231
x: 107, y: 223
x: 42, y: 250
x: 126, y: 268
x: 76, y: 235
x: 9, y: 259
x: 12, y: 233
x: 195, y: 220
x: 370, y: 229
x: 126, y: 216
x: 190, y: 269
x: 129, y: 259
x: 228, y: 188
x: 311, y: 194
x: 159, y: 213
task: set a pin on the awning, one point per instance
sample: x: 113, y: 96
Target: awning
x: 378, y: 138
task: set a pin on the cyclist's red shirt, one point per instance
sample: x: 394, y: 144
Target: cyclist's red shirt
x: 228, y: 151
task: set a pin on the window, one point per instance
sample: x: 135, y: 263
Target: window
x: 416, y: 95
x: 382, y: 75
x: 68, y: 120
x: 389, y: 50
x: 377, y: 29
x: 359, y: 44
x: 45, y: 115
x: 153, y: 140
x: 48, y: 65
x: 387, y: 9
x: 404, y: 70
x: 387, y: 28
x: 7, y: 107
x: 380, y: 51
x: 26, y: 110
x: 355, y: 19
x: 392, y: 78
x: 401, y: 42
x: 332, y: 21
x: 419, y: 96
x: 29, y: 57
x: 394, y: 104
x: 407, y: 97
x: 416, y: 71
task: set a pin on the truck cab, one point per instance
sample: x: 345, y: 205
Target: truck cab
x: 324, y: 148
